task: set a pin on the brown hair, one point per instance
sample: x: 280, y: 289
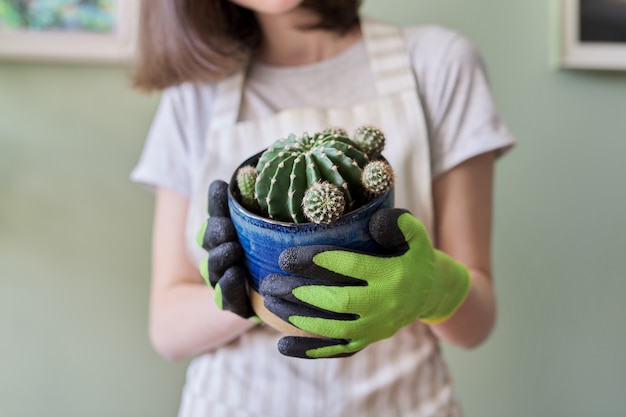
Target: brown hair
x: 205, y: 40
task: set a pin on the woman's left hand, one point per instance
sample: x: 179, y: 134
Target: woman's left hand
x: 354, y: 299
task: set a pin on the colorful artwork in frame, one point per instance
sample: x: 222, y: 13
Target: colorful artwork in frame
x: 68, y: 30
x: 593, y: 34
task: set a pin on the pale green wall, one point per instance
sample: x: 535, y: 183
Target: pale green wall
x: 74, y: 235
x: 74, y: 246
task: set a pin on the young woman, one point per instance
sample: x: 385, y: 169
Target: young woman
x: 236, y: 75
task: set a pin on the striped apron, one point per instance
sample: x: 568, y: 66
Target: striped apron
x: 401, y: 376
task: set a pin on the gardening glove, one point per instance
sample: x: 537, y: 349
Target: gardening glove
x: 224, y: 269
x: 353, y: 299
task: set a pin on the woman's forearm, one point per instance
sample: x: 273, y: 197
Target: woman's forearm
x: 472, y: 323
x: 184, y: 321
x: 463, y: 200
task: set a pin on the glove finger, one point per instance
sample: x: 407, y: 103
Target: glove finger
x: 223, y: 257
x: 282, y: 286
x: 233, y: 292
x: 287, y: 309
x: 218, y: 199
x: 218, y: 230
x: 394, y: 228
x: 298, y: 260
x: 314, y: 348
x: 385, y: 231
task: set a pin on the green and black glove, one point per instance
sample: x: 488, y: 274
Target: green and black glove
x: 224, y: 269
x: 354, y: 299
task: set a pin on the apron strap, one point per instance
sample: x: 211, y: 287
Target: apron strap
x: 389, y: 58
x: 227, y: 101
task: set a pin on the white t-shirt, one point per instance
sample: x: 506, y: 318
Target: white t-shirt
x: 462, y: 118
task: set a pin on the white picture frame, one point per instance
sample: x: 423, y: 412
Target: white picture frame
x: 115, y: 46
x: 576, y: 52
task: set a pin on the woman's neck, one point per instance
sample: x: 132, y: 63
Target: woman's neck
x: 285, y: 43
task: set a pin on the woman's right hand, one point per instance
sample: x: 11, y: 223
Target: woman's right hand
x: 184, y: 320
x: 224, y: 270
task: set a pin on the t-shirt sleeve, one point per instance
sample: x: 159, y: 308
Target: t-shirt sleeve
x: 462, y: 116
x: 164, y: 160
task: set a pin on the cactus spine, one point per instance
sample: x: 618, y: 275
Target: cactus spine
x: 289, y: 167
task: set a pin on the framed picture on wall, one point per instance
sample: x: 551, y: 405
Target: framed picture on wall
x: 68, y: 30
x: 593, y: 34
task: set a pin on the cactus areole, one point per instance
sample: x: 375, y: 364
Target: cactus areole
x: 293, y: 165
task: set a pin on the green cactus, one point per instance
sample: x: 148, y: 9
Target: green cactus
x: 246, y: 181
x: 291, y: 165
x: 370, y: 140
x: 329, y: 163
x: 323, y: 202
x: 377, y: 177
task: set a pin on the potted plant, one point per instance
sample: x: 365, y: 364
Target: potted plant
x: 308, y: 190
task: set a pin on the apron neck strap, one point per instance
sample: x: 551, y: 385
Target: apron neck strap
x: 389, y: 57
x: 227, y: 102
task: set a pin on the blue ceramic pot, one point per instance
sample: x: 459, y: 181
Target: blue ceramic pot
x: 264, y: 239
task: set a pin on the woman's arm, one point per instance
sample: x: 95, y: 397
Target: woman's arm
x: 184, y: 320
x: 463, y: 216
